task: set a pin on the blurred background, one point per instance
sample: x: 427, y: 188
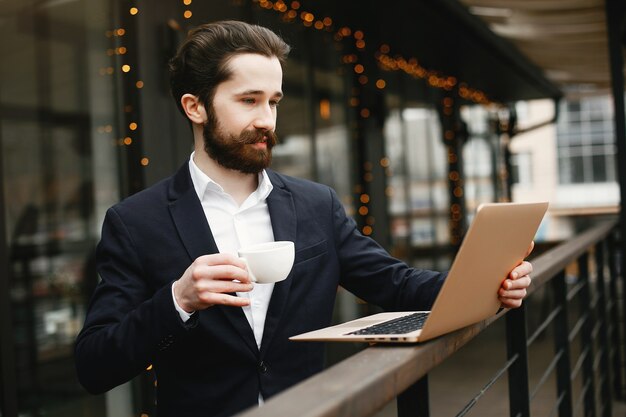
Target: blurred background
x: 415, y: 112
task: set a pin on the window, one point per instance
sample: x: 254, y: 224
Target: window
x: 522, y: 168
x: 585, y: 141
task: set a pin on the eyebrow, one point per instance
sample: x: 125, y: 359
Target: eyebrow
x: 278, y: 94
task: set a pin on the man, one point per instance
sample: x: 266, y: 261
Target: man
x: 173, y: 293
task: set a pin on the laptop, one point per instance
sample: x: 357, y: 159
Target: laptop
x: 496, y: 242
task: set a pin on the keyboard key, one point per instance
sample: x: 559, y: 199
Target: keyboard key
x: 400, y: 325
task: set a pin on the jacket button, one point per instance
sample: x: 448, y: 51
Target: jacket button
x: 262, y: 367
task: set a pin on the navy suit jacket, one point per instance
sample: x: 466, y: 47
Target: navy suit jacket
x: 211, y: 366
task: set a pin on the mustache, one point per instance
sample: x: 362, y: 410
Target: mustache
x: 258, y: 135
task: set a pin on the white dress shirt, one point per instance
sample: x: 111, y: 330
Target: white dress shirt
x: 235, y: 226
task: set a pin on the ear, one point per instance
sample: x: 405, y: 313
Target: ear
x: 194, y: 109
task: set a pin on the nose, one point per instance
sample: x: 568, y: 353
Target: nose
x: 265, y: 118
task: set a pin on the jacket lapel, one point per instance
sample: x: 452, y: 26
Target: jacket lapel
x: 195, y: 233
x: 283, y: 217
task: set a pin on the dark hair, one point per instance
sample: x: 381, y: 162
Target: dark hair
x: 201, y: 62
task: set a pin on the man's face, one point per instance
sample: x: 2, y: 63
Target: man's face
x: 239, y: 132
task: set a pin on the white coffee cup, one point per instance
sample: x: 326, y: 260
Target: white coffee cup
x: 268, y: 262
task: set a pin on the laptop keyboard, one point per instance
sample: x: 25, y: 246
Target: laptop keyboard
x: 400, y: 325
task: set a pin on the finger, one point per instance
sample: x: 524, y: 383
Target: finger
x: 220, y: 272
x: 512, y: 294
x: 221, y: 286
x: 223, y: 299
x: 221, y: 259
x: 523, y: 269
x: 530, y: 248
x: 523, y: 282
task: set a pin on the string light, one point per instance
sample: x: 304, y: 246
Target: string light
x: 325, y: 109
x: 386, y: 62
x: 434, y: 79
x: 133, y: 11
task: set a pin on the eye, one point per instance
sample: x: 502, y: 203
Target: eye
x: 274, y: 103
x: 248, y: 100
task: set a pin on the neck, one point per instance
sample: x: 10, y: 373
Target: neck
x: 237, y: 184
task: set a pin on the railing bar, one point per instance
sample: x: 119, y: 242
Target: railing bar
x: 581, y: 398
x: 516, y: 337
x: 595, y: 331
x: 572, y: 293
x: 579, y: 363
x: 594, y: 301
x: 544, y: 325
x: 546, y: 374
x: 579, y: 324
x: 596, y: 361
x: 586, y: 335
x: 557, y: 404
x: 609, y: 328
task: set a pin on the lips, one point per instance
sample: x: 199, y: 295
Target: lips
x: 259, y: 138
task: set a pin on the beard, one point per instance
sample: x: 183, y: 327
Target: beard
x: 234, y: 151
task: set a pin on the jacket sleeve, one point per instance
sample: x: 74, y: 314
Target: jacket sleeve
x: 369, y: 272
x: 128, y: 323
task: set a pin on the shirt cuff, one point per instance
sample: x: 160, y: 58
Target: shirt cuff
x: 184, y: 316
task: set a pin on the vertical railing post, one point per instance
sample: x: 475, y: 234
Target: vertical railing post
x: 586, y: 336
x: 605, y: 381
x: 413, y: 402
x: 561, y: 346
x: 615, y: 320
x: 519, y: 395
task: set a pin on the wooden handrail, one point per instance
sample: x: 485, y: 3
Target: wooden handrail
x: 368, y: 380
x: 555, y: 260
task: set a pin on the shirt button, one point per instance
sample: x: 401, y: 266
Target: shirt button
x: 262, y: 367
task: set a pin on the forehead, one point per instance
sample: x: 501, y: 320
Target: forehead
x: 254, y: 72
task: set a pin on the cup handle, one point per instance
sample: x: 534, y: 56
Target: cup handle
x: 250, y: 274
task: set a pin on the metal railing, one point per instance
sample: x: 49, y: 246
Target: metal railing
x: 364, y: 383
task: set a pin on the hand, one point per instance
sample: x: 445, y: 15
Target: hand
x: 209, y: 280
x: 514, y: 288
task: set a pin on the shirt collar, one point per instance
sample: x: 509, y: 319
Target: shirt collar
x: 203, y: 183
